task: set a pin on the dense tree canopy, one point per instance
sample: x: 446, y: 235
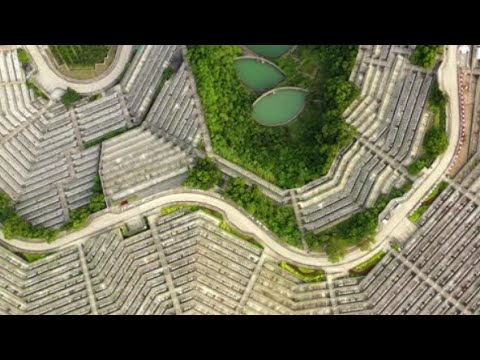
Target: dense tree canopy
x: 279, y: 219
x: 288, y: 156
x: 16, y: 226
x: 70, y: 97
x: 23, y: 56
x: 205, y: 175
x: 425, y: 55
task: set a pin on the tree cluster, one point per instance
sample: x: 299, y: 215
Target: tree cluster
x: 287, y: 156
x: 16, y: 226
x: 205, y: 175
x: 279, y: 219
x: 70, y: 97
x: 79, y: 217
x: 426, y: 55
x: 23, y: 56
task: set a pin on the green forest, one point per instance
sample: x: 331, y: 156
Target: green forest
x: 288, y: 156
x: 279, y: 219
x: 204, y: 175
x: 426, y: 55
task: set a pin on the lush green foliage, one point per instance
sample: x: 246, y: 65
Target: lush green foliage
x: 365, y: 267
x: 6, y: 207
x: 16, y: 226
x: 426, y: 55
x: 436, y: 139
x: 83, y: 55
x: 70, y: 97
x: 79, y: 217
x: 205, y: 175
x: 107, y: 136
x: 279, y: 219
x: 288, y: 156
x: 359, y: 230
x: 23, y: 56
x: 32, y: 257
x: 305, y: 274
x: 417, y: 214
x: 38, y: 92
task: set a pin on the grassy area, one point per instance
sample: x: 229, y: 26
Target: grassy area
x: 365, y: 267
x: 31, y: 257
x: 107, y: 136
x: 38, y: 92
x: 78, y: 56
x: 417, y: 214
x: 23, y: 56
x: 359, y: 230
x: 70, y: 98
x: 288, y: 156
x: 305, y: 274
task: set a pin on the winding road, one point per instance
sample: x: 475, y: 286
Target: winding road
x: 240, y: 219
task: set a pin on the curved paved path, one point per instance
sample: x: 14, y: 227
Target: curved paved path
x: 50, y: 79
x: 237, y: 217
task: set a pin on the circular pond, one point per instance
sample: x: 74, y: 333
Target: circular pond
x: 257, y: 73
x: 279, y: 106
x: 270, y: 51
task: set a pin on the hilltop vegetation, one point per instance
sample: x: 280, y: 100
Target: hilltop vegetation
x: 287, y: 156
x: 426, y: 55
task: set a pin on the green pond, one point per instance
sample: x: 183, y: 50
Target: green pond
x: 279, y: 106
x: 270, y: 51
x: 258, y: 74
